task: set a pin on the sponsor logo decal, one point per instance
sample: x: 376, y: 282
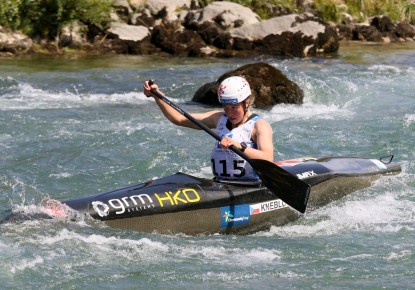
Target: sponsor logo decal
x: 266, y: 206
x: 306, y: 174
x: 229, y: 101
x: 140, y: 202
x: 188, y: 195
x: 101, y: 208
x: 234, y: 215
x: 128, y: 204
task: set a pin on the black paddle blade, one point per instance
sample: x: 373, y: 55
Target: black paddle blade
x: 287, y: 187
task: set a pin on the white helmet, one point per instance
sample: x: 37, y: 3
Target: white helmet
x: 233, y: 90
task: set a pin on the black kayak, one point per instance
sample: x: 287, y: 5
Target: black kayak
x: 182, y: 203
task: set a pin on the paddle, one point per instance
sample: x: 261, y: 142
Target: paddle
x: 280, y: 182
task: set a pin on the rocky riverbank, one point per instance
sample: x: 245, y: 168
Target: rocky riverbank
x: 220, y: 29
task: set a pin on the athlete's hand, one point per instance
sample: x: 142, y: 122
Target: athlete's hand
x: 227, y: 142
x: 148, y: 86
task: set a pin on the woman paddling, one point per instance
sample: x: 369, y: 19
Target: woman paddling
x: 237, y: 126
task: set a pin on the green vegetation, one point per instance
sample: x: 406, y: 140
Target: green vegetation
x: 332, y: 10
x: 398, y: 10
x: 45, y: 18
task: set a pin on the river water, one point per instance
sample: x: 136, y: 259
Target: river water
x: 74, y: 126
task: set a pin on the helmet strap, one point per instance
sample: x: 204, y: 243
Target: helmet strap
x: 246, y: 107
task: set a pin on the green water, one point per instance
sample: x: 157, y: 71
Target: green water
x: 74, y: 126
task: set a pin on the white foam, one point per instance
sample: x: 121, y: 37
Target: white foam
x: 103, y: 242
x: 401, y: 255
x: 27, y: 97
x: 260, y: 256
x: 386, y: 212
x: 130, y: 97
x: 3, y: 247
x: 204, y: 172
x: 409, y: 119
x: 411, y: 71
x: 219, y: 254
x: 353, y: 258
x: 61, y: 175
x: 306, y: 111
x: 24, y: 264
x: 382, y: 68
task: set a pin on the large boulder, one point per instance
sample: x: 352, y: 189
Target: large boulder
x: 128, y: 32
x: 228, y: 15
x: 127, y: 39
x: 288, y: 35
x: 366, y: 33
x: 277, y: 25
x: 269, y: 86
x: 167, y: 8
x: 405, y: 31
x: 14, y: 42
x: 170, y: 37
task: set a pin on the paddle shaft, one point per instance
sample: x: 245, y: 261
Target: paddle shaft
x: 198, y: 123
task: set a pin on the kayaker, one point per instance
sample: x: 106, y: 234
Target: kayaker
x: 236, y: 124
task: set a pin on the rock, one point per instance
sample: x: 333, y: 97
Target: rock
x: 366, y: 33
x: 269, y: 86
x: 114, y: 17
x: 327, y: 42
x: 175, y: 40
x: 72, y: 35
x: 127, y: 39
x: 277, y: 25
x: 391, y: 30
x: 405, y: 31
x: 128, y: 32
x: 207, y: 94
x: 383, y: 24
x: 122, y: 9
x: 144, y: 47
x: 285, y: 44
x: 137, y: 4
x: 228, y: 15
x: 212, y: 34
x: 380, y: 29
x: 289, y: 35
x: 14, y: 42
x: 345, y: 32
x: 167, y: 8
x: 143, y: 18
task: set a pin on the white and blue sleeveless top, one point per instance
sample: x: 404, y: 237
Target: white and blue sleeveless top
x: 225, y: 163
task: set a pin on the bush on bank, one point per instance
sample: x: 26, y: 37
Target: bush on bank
x: 46, y: 18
